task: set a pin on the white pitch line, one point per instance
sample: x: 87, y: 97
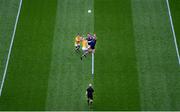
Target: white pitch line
x: 172, y: 27
x: 92, y: 64
x: 10, y: 48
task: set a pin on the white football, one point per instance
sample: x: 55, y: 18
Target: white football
x: 89, y: 11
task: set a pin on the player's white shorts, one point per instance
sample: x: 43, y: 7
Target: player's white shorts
x: 76, y: 45
x: 84, y: 49
x: 89, y: 46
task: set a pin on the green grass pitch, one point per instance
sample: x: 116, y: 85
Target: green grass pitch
x: 136, y: 66
x: 175, y: 7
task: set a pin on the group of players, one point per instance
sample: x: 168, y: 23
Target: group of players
x: 88, y: 44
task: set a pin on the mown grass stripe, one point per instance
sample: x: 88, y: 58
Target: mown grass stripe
x: 156, y: 57
x: 10, y: 48
x: 8, y: 13
x: 174, y: 34
x: 69, y: 76
x: 28, y: 71
x: 116, y: 78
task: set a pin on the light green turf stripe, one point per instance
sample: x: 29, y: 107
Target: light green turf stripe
x: 8, y: 12
x: 156, y: 55
x: 69, y: 75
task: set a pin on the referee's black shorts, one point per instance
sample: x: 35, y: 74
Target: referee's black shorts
x: 90, y: 97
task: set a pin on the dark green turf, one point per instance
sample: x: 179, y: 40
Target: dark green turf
x: 175, y: 80
x: 175, y: 12
x: 116, y: 78
x: 27, y: 76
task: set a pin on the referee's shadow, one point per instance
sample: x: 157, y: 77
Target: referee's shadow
x: 90, y: 107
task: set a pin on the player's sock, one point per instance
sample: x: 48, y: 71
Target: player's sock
x: 77, y: 49
x: 85, y: 54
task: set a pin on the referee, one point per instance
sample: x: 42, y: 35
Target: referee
x: 89, y: 93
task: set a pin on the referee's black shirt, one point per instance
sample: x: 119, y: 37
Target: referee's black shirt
x: 90, y: 91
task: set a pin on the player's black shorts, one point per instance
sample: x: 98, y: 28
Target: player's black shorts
x: 92, y: 47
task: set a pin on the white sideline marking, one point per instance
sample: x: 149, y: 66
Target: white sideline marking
x: 172, y: 27
x: 92, y: 64
x: 10, y: 48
